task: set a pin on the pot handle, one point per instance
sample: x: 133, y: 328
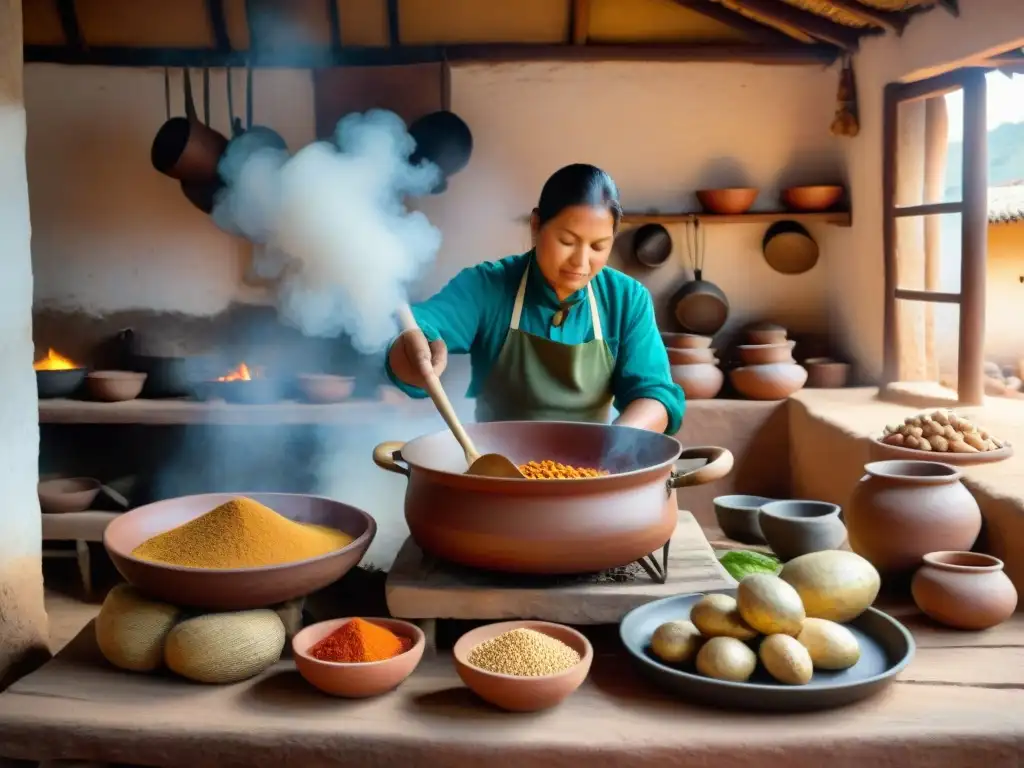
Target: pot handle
x: 719, y: 464
x: 388, y: 455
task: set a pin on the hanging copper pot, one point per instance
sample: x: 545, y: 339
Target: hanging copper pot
x: 184, y: 148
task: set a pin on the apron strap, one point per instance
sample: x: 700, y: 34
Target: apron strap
x: 517, y: 308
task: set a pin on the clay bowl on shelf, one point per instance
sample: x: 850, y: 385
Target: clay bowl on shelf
x: 691, y: 356
x: 811, y: 199
x: 826, y: 373
x: 235, y: 589
x: 886, y: 649
x: 796, y: 527
x: 68, y: 494
x: 115, y: 386
x: 522, y: 694
x: 769, y: 334
x: 737, y: 516
x: 325, y: 388
x: 65, y: 383
x: 964, y: 590
x: 685, y: 340
x: 700, y: 381
x: 357, y: 681
x: 762, y: 354
x: 775, y: 381
x: 727, y: 202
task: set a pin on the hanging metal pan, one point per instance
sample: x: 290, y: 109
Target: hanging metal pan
x: 184, y: 148
x: 789, y: 248
x: 652, y: 245
x: 203, y: 194
x: 699, y: 306
x: 442, y: 137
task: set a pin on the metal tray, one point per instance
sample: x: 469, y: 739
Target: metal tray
x: 886, y: 649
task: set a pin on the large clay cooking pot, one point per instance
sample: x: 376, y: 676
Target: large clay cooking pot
x: 547, y: 526
x: 902, y: 510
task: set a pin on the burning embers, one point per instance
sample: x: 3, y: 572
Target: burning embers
x: 54, y: 361
x: 241, y: 373
x: 57, y: 376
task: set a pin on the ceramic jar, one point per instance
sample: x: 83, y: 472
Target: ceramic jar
x: 964, y: 590
x: 797, y: 527
x: 773, y: 381
x: 700, y: 381
x: 902, y: 510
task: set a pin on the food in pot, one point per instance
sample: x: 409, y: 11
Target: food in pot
x: 831, y: 646
x: 553, y: 470
x: 786, y: 659
x: 676, y: 642
x: 241, y: 533
x: 726, y: 658
x: 131, y: 630
x: 717, y: 616
x: 833, y: 584
x: 740, y: 563
x: 524, y: 653
x: 359, y: 641
x: 941, y: 431
x: 770, y: 605
x: 225, y: 647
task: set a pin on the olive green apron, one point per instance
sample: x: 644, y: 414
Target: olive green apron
x: 537, y: 379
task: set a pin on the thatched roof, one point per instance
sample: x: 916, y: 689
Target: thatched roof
x: 1006, y: 203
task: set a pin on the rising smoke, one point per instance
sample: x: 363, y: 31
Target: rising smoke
x: 333, y: 225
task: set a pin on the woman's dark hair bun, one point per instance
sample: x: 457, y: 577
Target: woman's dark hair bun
x: 578, y: 184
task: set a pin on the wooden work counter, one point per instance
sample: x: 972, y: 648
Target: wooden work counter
x: 959, y: 704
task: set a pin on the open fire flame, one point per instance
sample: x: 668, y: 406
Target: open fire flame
x: 241, y: 373
x: 54, y: 362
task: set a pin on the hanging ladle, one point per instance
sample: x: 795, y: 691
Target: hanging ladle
x: 486, y: 465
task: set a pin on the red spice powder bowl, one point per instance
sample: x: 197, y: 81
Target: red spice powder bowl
x: 360, y: 680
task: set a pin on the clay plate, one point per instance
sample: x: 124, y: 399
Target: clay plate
x: 235, y: 589
x: 522, y: 694
x: 886, y: 649
x: 357, y: 681
x: 881, y: 451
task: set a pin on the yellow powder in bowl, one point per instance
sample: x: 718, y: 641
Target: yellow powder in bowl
x: 241, y: 533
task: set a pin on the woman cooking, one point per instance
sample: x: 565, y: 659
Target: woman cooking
x: 552, y: 334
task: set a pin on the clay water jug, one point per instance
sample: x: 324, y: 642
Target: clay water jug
x: 902, y: 510
x: 964, y: 590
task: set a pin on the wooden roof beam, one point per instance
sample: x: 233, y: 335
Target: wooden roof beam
x: 69, y: 23
x: 809, y: 23
x: 218, y: 24
x: 889, y: 21
x: 579, y: 21
x: 749, y: 28
x: 394, y: 36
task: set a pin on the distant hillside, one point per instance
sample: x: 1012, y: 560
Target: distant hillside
x: 1005, y: 158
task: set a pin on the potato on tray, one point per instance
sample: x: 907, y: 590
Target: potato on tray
x: 790, y: 624
x: 942, y: 432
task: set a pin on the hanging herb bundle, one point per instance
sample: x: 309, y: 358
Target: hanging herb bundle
x: 846, y: 121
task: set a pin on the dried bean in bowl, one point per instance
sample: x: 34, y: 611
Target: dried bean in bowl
x: 524, y: 653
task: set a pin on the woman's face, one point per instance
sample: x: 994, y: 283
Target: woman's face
x: 574, y: 246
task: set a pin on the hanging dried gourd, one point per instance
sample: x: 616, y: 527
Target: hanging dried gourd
x: 846, y: 121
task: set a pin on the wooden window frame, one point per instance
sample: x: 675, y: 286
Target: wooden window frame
x: 973, y: 210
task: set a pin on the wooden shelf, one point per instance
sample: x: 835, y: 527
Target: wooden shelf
x: 836, y: 218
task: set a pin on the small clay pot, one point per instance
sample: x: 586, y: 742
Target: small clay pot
x: 810, y: 199
x: 727, y: 202
x: 737, y: 516
x: 768, y: 334
x: 68, y: 494
x: 700, y: 381
x: 964, y: 590
x: 826, y: 373
x: 794, y: 528
x: 685, y: 341
x: 691, y: 356
x: 115, y: 386
x: 902, y: 510
x: 763, y: 354
x: 325, y: 388
x: 775, y: 381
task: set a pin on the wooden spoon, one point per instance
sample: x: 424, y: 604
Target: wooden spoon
x: 486, y: 465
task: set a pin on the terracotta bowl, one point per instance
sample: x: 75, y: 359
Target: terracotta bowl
x: 357, y: 681
x: 762, y: 354
x: 700, y: 381
x: 325, y: 388
x: 826, y: 373
x: 235, y: 589
x: 729, y: 202
x: 522, y: 694
x: 68, y: 494
x: 766, y: 335
x: 691, y: 356
x: 811, y: 199
x: 115, y: 386
x: 685, y: 341
x: 775, y: 381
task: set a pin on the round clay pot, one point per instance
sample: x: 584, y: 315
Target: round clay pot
x: 797, y: 527
x: 826, y: 373
x: 902, y: 510
x: 691, y: 356
x: 685, y: 340
x: 763, y: 354
x: 964, y: 590
x: 115, y: 386
x: 700, y: 381
x: 775, y: 381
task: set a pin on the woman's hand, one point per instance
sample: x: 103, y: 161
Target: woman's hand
x: 411, y: 354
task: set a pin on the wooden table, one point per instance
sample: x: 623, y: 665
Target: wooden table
x: 959, y: 704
